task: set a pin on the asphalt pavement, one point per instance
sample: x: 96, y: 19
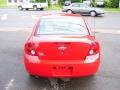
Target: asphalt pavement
x: 13, y: 18
x: 13, y: 75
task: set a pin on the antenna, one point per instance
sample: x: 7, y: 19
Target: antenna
x: 94, y: 17
x: 92, y: 21
x: 94, y: 24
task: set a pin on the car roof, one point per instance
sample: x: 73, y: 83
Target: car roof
x: 78, y: 3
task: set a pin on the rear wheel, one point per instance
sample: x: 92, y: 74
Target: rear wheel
x: 20, y: 8
x: 41, y: 9
x: 26, y: 9
x: 93, y: 13
x: 33, y: 76
x: 69, y: 12
x: 34, y: 7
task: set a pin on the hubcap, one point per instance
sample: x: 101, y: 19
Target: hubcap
x: 93, y: 13
x: 20, y: 8
x: 35, y: 8
x: 69, y: 12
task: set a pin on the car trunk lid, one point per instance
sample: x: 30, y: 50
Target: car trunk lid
x: 62, y: 47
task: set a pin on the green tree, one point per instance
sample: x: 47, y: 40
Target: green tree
x: 61, y: 2
x: 44, y: 1
x: 112, y: 3
x: 40, y: 0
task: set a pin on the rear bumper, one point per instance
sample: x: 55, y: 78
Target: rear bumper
x: 100, y: 13
x: 59, y: 69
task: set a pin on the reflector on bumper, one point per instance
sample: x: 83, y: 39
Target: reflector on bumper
x: 91, y: 58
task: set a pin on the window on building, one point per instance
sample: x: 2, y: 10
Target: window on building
x: 15, y: 1
x: 20, y: 0
x: 9, y: 1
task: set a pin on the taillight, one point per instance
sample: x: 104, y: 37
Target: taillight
x: 93, y: 54
x: 94, y: 49
x: 30, y: 49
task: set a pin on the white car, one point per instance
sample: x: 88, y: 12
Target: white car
x: 82, y: 8
x: 32, y: 5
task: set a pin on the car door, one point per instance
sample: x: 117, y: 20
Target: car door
x: 75, y: 7
x: 26, y: 5
x: 84, y: 9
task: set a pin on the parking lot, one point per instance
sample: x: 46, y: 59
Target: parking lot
x: 15, y: 27
x: 13, y: 18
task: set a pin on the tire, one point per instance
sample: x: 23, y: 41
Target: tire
x: 33, y: 76
x: 35, y: 8
x: 20, y: 8
x: 93, y: 13
x: 65, y: 79
x: 41, y: 9
x: 26, y: 9
x: 69, y: 12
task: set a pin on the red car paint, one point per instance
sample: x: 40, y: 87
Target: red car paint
x: 62, y: 56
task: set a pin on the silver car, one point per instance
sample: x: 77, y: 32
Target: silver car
x: 82, y: 8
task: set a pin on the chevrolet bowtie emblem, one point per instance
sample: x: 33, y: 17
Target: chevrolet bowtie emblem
x: 62, y: 48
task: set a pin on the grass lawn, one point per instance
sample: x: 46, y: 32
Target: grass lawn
x: 55, y: 7
x: 3, y: 3
x: 112, y: 9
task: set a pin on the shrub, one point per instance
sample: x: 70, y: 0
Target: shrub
x: 112, y: 3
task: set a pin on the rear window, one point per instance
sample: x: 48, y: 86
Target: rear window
x: 62, y: 26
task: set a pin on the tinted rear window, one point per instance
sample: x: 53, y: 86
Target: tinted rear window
x: 62, y: 26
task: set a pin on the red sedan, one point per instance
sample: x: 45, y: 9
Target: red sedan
x: 62, y: 46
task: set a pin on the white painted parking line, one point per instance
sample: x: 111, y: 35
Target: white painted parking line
x: 7, y: 29
x: 107, y: 31
x: 9, y: 84
x: 4, y: 17
x: 118, y: 31
x: 34, y: 17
